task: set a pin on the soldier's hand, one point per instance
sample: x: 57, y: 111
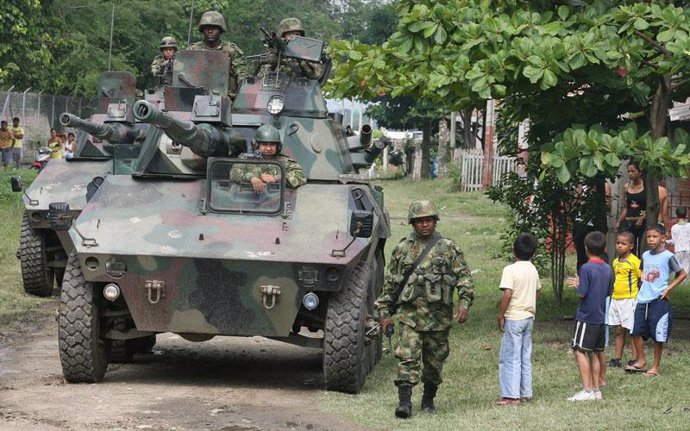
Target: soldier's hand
x: 257, y: 184
x: 386, y: 326
x: 268, y: 178
x: 462, y: 314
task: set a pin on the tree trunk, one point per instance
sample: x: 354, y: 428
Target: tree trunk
x: 657, y: 123
x: 421, y: 153
x: 443, y: 143
x: 467, y: 131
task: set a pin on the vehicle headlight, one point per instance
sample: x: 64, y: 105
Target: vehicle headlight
x: 310, y: 301
x: 275, y: 105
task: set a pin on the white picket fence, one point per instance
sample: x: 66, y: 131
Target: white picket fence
x: 472, y: 169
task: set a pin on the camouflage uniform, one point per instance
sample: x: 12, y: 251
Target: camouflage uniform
x: 294, y: 174
x: 425, y: 305
x: 159, y: 69
x: 238, y: 65
x: 293, y: 67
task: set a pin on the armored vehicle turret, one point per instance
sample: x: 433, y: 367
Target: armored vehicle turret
x: 187, y: 244
x: 42, y: 249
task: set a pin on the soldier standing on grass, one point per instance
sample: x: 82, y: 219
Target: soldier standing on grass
x: 212, y: 25
x: 422, y: 275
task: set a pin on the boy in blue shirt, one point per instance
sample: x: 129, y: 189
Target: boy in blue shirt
x: 593, y: 285
x: 653, y: 310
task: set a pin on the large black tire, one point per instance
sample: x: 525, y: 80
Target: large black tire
x: 33, y: 255
x: 345, y: 351
x: 82, y: 350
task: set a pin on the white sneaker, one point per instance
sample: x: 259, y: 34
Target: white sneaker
x: 583, y: 396
x: 598, y: 396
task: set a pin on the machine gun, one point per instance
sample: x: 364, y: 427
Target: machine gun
x: 204, y: 139
x: 165, y: 75
x: 115, y: 133
x: 272, y: 40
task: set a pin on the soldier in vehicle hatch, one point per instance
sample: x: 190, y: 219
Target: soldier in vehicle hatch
x: 267, y: 142
x: 287, y: 30
x: 424, y: 271
x: 161, y: 66
x: 212, y: 25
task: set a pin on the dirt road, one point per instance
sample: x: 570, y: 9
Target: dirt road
x: 228, y: 384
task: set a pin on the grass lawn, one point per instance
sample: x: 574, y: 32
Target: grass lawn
x: 465, y: 399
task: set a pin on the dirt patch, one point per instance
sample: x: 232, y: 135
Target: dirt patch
x: 227, y: 383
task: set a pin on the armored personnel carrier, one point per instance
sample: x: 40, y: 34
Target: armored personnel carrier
x: 179, y: 246
x: 105, y: 144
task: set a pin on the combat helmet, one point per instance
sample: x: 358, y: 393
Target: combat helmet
x: 168, y: 42
x: 290, y: 24
x: 268, y: 134
x: 212, y: 18
x: 422, y: 208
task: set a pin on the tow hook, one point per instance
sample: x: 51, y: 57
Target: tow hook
x: 154, y: 290
x: 269, y: 294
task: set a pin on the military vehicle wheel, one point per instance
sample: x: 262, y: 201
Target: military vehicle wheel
x: 36, y: 274
x: 82, y: 350
x: 345, y: 353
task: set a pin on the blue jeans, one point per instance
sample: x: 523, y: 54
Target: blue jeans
x: 515, y: 359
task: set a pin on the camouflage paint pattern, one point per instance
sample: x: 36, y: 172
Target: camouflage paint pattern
x: 213, y: 265
x: 61, y: 180
x: 420, y: 355
x: 155, y: 228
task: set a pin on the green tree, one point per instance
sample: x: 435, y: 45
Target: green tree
x: 595, y: 78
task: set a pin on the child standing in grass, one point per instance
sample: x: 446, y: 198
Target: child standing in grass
x: 521, y: 286
x: 653, y: 310
x: 626, y: 269
x: 592, y: 286
x: 680, y: 234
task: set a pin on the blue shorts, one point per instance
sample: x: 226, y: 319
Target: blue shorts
x: 653, y: 320
x: 6, y: 155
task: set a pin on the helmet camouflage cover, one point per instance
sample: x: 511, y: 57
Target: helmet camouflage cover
x: 290, y: 24
x: 422, y: 208
x: 212, y: 18
x: 168, y: 42
x: 268, y: 134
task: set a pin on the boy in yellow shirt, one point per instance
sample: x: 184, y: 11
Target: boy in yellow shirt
x: 626, y: 269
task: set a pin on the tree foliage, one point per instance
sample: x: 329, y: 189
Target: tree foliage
x: 62, y: 46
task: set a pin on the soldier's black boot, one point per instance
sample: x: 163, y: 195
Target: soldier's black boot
x: 428, y: 398
x: 404, y: 410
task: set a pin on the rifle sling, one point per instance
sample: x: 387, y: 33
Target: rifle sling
x: 432, y: 242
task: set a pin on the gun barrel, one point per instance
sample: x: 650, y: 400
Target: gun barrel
x: 356, y: 143
x: 365, y: 135
x: 113, y: 133
x: 203, y: 139
x: 375, y: 149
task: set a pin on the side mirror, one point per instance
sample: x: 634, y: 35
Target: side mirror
x: 17, y: 184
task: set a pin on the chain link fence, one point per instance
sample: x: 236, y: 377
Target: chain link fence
x: 39, y: 112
